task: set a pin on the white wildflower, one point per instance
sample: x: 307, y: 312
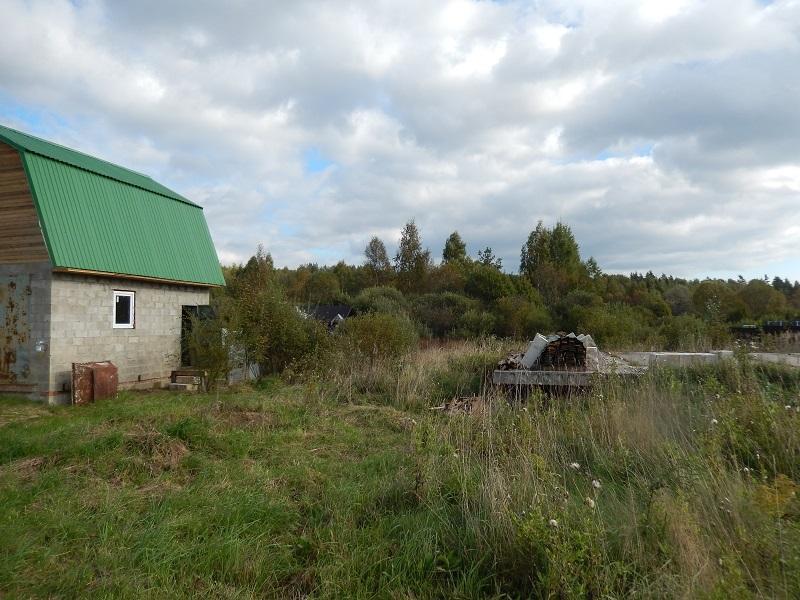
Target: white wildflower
x: 788, y: 407
x: 575, y: 466
x: 596, y: 484
x: 553, y: 523
x: 746, y: 469
x: 714, y: 421
x: 589, y: 502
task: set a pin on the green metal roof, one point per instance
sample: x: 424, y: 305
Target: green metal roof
x: 97, y: 216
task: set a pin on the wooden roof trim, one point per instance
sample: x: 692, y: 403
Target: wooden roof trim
x: 132, y: 277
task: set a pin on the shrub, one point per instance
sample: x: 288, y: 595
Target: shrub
x: 518, y: 317
x: 685, y: 332
x: 487, y: 283
x: 210, y: 349
x: 440, y: 313
x: 272, y: 332
x: 380, y: 299
x: 475, y: 323
x: 613, y: 325
x: 378, y: 335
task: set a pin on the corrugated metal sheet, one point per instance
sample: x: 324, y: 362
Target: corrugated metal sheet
x: 99, y: 224
x: 28, y: 143
x: 96, y: 216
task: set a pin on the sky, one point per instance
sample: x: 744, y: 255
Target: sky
x: 666, y: 134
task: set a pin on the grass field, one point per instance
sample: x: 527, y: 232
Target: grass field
x: 345, y: 485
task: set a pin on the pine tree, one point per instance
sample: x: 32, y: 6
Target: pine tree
x: 487, y: 257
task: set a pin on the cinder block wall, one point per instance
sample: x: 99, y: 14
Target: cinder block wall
x: 82, y: 331
x: 24, y: 321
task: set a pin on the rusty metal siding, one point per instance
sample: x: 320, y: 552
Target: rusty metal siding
x: 95, y: 223
x: 15, y: 311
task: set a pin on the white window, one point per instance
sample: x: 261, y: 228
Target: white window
x: 124, y: 309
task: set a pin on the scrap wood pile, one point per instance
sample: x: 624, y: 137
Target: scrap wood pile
x: 512, y: 362
x: 462, y: 404
x: 565, y: 352
x: 560, y: 351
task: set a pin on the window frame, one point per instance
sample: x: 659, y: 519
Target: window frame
x: 132, y: 314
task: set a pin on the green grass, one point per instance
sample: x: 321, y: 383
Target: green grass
x: 164, y: 495
x: 346, y: 486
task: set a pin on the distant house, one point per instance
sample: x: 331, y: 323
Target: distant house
x: 97, y: 262
x: 330, y: 314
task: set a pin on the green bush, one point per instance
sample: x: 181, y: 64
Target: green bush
x: 475, y: 323
x: 440, y: 313
x: 272, y: 332
x: 380, y: 299
x: 519, y: 318
x: 378, y: 335
x: 487, y: 283
x: 686, y: 332
x: 210, y: 349
x: 614, y: 325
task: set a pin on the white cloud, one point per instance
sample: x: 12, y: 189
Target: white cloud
x: 665, y: 133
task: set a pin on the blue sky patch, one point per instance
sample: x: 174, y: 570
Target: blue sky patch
x: 638, y: 150
x: 314, y: 161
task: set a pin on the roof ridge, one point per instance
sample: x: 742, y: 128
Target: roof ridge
x: 61, y: 154
x: 67, y: 148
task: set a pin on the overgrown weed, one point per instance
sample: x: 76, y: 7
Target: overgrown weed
x: 338, y: 481
x: 681, y: 483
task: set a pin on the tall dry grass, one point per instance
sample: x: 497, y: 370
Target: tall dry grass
x: 415, y: 381
x: 681, y: 484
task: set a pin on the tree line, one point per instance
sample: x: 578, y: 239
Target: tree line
x: 553, y: 288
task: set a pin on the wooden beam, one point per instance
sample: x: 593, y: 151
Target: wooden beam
x: 131, y: 277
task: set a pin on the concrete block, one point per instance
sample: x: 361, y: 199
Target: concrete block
x: 683, y: 359
x: 543, y: 378
x: 793, y: 360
